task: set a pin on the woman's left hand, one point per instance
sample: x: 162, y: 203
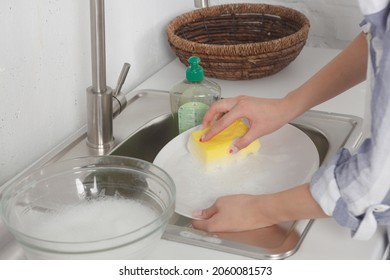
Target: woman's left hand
x: 234, y: 213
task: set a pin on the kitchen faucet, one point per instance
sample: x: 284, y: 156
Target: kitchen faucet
x: 103, y: 103
x: 201, y: 3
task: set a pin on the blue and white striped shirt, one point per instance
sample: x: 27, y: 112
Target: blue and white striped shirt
x: 355, y: 188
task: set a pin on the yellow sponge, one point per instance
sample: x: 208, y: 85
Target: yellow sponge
x: 214, y: 154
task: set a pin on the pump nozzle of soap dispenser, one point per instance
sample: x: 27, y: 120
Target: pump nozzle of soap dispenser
x: 194, y: 72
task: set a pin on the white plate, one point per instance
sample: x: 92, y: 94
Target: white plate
x: 287, y: 158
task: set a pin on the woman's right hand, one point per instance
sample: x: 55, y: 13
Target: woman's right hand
x: 264, y: 115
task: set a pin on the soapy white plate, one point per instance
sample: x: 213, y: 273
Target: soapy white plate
x: 287, y: 158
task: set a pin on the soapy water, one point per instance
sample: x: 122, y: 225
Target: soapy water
x: 90, y: 220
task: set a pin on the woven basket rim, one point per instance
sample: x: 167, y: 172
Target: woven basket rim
x: 245, y: 49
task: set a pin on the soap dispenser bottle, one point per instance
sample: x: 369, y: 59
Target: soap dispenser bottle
x: 191, y: 98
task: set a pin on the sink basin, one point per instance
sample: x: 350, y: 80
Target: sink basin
x: 146, y: 126
x: 149, y: 140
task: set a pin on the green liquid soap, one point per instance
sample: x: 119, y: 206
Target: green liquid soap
x: 192, y: 97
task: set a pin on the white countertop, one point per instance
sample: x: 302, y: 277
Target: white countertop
x: 326, y: 239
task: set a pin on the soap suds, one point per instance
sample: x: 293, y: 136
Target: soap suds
x: 91, y: 220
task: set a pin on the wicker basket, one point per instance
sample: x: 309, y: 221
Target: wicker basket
x: 239, y: 41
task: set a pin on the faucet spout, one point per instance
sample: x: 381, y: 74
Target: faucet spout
x: 98, y: 46
x: 99, y: 95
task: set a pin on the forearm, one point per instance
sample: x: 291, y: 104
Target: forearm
x: 345, y: 71
x: 294, y: 204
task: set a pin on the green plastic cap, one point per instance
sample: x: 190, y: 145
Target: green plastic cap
x: 194, y: 72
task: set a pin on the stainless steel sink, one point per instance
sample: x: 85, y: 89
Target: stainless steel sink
x: 144, y: 128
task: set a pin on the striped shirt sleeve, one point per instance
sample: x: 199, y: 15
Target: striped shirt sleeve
x: 355, y: 188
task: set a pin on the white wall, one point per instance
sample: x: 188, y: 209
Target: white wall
x: 45, y: 60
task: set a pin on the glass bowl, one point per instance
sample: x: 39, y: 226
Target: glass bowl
x: 104, y: 207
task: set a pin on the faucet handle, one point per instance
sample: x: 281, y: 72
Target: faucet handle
x: 122, y: 78
x: 119, y: 100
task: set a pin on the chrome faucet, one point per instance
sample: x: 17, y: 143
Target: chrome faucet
x: 201, y: 3
x: 103, y: 104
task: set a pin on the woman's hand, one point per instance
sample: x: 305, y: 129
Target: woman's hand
x: 236, y: 213
x: 264, y: 116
